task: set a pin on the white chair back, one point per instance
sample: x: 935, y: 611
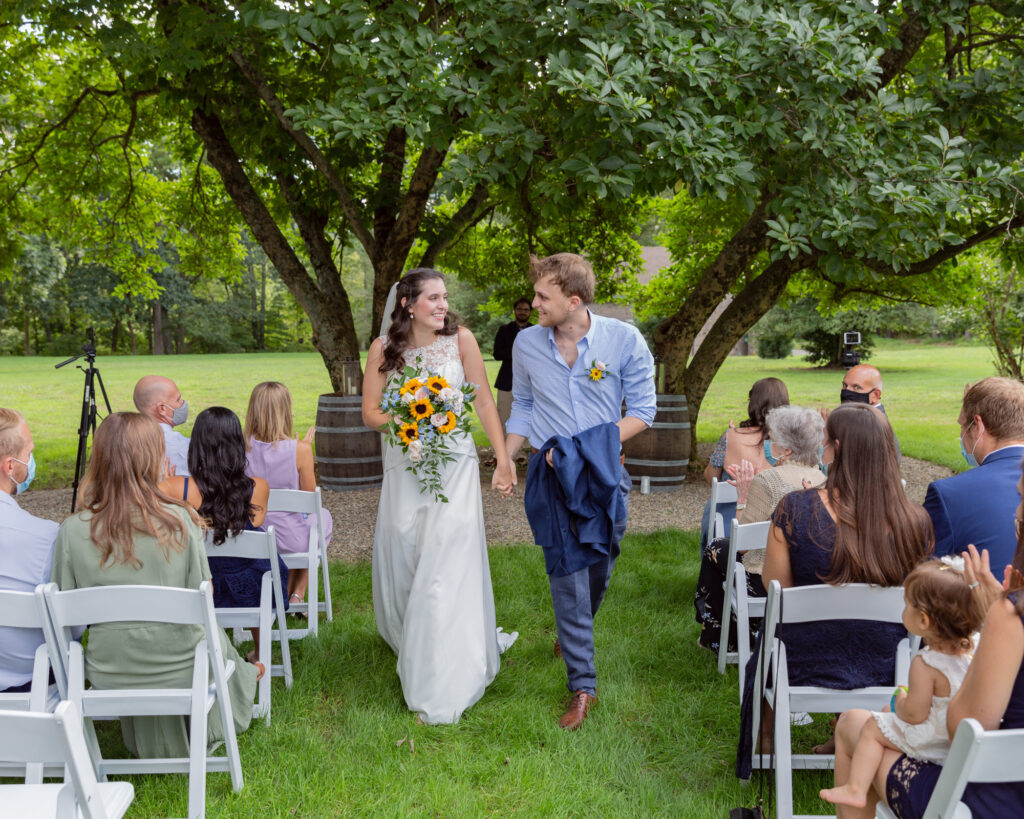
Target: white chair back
x: 151, y: 604
x: 314, y: 560
x: 808, y: 604
x: 976, y: 755
x: 259, y: 546
x: 743, y: 537
x: 27, y: 610
x: 37, y: 739
x: 722, y: 492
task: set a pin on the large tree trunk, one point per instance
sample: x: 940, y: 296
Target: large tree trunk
x: 330, y: 314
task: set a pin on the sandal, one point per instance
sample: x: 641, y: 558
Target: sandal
x: 294, y: 598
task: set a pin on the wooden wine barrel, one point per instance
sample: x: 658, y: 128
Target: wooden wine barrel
x: 662, y: 453
x: 347, y: 453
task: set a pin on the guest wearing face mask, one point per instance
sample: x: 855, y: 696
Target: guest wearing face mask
x: 160, y: 399
x: 26, y: 547
x: 863, y: 385
x: 977, y: 506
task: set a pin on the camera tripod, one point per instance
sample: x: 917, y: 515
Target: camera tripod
x: 87, y: 423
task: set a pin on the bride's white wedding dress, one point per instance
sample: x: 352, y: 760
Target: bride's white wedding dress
x: 432, y: 592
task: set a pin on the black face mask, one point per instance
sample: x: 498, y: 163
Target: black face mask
x: 854, y: 397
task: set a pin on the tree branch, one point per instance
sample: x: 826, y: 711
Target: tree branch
x: 461, y: 218
x: 349, y: 206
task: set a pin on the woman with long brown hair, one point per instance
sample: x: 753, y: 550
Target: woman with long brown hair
x: 129, y: 532
x: 859, y: 528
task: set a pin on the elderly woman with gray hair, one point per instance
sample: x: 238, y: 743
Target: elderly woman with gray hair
x: 795, y: 435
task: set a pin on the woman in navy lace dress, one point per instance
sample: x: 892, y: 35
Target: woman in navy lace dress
x: 860, y: 528
x: 992, y: 693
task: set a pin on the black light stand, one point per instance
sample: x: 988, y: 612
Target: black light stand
x: 88, y: 419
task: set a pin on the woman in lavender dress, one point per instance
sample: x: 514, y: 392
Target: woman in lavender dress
x: 284, y: 462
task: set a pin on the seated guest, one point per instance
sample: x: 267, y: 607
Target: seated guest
x: 26, y: 547
x: 862, y: 384
x: 130, y: 532
x: 229, y: 502
x: 283, y: 462
x: 859, y: 528
x: 977, y: 506
x: 747, y: 442
x: 159, y: 398
x: 992, y: 693
x: 795, y: 436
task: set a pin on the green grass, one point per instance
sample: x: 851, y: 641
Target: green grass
x: 660, y: 740
x: 923, y: 387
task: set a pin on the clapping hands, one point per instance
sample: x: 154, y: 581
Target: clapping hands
x: 743, y: 474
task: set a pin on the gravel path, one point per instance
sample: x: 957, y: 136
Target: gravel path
x: 355, y: 513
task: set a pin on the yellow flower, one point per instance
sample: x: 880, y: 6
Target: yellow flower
x: 411, y: 386
x: 421, y: 409
x: 596, y: 374
x: 408, y: 433
x: 436, y: 383
x: 449, y: 424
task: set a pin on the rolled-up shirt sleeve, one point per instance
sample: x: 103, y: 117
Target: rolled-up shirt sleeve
x: 522, y: 395
x: 638, y: 380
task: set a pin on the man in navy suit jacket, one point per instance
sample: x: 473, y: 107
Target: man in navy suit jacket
x: 978, y: 506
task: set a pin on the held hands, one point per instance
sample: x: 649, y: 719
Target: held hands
x: 504, y: 479
x: 744, y: 475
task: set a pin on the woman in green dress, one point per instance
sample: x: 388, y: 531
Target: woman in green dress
x: 131, y: 533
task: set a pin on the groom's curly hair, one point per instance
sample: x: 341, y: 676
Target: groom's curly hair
x: 409, y: 288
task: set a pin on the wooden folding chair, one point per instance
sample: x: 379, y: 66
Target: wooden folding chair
x: 151, y: 604
x: 260, y: 546
x: 38, y: 739
x: 808, y: 604
x: 743, y: 537
x: 976, y: 755
x: 722, y: 493
x: 314, y: 559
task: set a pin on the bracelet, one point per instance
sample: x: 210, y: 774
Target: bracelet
x: 895, y: 694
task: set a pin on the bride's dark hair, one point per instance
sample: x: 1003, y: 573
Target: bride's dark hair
x: 409, y: 288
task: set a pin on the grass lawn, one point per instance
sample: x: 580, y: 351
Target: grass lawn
x: 923, y: 388
x: 660, y: 741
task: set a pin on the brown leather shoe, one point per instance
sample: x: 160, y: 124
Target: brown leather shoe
x: 577, y: 711
x: 558, y: 648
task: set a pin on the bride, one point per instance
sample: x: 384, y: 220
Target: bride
x: 432, y: 593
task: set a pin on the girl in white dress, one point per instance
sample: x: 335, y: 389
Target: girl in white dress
x: 432, y: 595
x: 939, y: 608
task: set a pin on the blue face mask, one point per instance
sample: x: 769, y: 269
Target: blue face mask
x: 968, y: 456
x: 24, y: 485
x: 772, y: 460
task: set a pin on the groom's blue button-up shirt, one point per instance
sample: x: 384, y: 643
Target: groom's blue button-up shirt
x: 549, y: 398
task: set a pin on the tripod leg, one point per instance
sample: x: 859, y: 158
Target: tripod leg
x: 103, y: 392
x: 88, y: 416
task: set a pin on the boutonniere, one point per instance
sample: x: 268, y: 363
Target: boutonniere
x: 598, y: 370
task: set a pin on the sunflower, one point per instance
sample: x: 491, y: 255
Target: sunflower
x: 435, y: 384
x: 421, y: 409
x: 410, y: 386
x: 408, y: 433
x: 596, y: 373
x: 449, y: 424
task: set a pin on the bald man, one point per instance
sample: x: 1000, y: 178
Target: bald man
x: 863, y: 385
x: 159, y: 398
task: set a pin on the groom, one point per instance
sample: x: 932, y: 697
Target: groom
x: 570, y: 376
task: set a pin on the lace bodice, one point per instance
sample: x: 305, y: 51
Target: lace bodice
x: 442, y: 357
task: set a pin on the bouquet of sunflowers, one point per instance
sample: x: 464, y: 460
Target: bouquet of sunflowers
x: 426, y: 411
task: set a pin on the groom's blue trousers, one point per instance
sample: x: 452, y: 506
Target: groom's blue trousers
x: 576, y: 598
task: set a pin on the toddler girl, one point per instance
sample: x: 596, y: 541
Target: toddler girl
x: 940, y: 608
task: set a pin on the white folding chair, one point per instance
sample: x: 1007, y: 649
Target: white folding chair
x: 27, y: 610
x: 976, y: 755
x: 36, y: 739
x: 151, y: 604
x: 743, y: 537
x: 721, y: 493
x: 807, y: 604
x: 315, y: 557
x: 259, y: 546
